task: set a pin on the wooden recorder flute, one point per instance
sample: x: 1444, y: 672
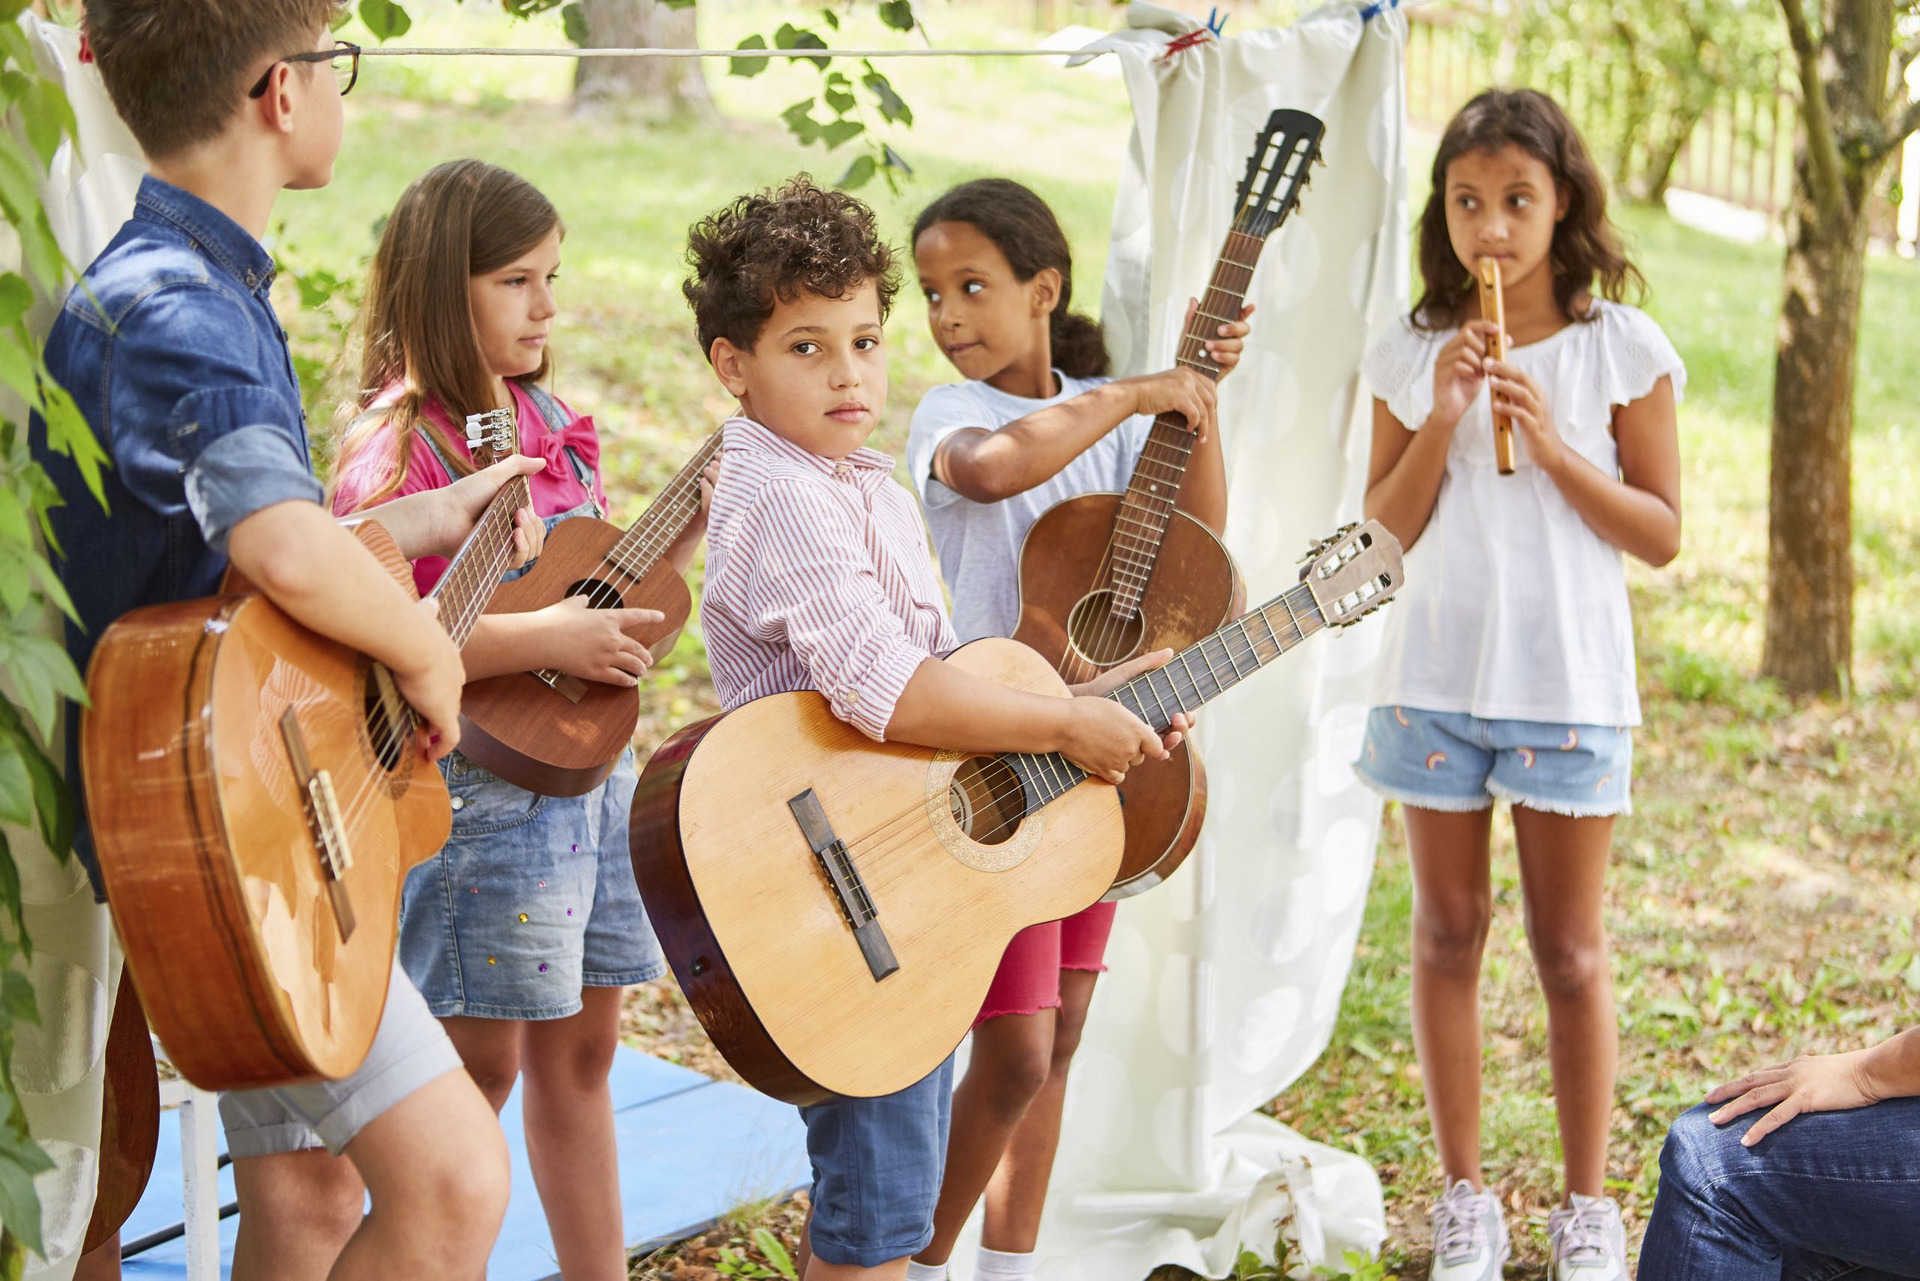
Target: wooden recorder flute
x: 1493, y: 306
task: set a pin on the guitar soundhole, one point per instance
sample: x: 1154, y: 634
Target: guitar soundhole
x: 389, y: 721
x: 1100, y: 638
x: 985, y: 800
x: 599, y: 592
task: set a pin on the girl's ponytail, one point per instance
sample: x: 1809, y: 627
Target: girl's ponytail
x: 1027, y: 234
x: 1079, y: 344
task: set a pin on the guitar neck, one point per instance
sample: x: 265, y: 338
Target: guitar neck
x: 469, y: 583
x: 1196, y: 676
x: 1157, y: 477
x: 666, y: 518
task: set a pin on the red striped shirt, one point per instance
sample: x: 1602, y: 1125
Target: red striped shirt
x: 818, y: 577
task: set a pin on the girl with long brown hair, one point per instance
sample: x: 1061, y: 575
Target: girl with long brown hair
x: 523, y: 930
x: 1508, y: 671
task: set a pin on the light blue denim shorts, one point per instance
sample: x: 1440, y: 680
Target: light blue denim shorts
x: 531, y: 899
x: 1455, y: 761
x: 877, y: 1165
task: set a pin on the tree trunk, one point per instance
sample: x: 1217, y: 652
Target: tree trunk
x: 1809, y: 641
x: 668, y: 85
x: 1660, y: 163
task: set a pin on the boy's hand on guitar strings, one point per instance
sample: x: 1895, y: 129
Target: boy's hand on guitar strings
x: 1181, y: 390
x: 1230, y: 340
x: 1459, y: 370
x: 709, y: 481
x: 432, y: 686
x: 1114, y: 677
x: 592, y: 644
x: 1524, y: 402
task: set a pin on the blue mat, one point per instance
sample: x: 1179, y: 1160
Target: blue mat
x: 691, y: 1149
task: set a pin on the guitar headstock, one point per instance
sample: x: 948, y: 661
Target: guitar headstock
x: 492, y: 436
x: 1277, y: 171
x: 1353, y: 573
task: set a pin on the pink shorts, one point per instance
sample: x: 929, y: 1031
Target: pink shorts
x: 1028, y: 980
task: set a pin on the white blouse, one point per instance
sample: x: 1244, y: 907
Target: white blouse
x: 1514, y: 608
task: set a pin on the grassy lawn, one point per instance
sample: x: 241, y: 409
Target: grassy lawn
x: 1764, y: 893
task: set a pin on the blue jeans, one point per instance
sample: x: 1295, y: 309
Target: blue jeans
x: 1829, y: 1195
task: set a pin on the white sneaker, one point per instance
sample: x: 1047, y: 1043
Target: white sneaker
x: 1588, y: 1241
x: 1469, y: 1236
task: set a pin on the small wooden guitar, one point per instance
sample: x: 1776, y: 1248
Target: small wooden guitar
x: 1104, y: 576
x: 835, y: 908
x: 256, y: 802
x: 555, y: 734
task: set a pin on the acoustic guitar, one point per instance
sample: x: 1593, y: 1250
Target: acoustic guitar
x: 1104, y: 577
x: 553, y: 733
x: 256, y: 802
x: 835, y: 908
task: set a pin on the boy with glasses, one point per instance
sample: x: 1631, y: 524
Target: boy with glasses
x: 173, y: 351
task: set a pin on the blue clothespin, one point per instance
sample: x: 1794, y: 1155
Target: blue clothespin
x: 1377, y: 8
x: 1217, y: 22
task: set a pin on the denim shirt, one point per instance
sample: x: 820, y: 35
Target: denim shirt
x: 171, y: 348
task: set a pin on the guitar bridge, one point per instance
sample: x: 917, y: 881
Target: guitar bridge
x: 571, y: 688
x: 324, y: 821
x: 848, y: 887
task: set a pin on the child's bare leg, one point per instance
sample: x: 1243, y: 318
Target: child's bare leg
x: 1006, y: 1073
x: 1018, y: 1192
x: 570, y: 1141
x: 1563, y: 870
x: 491, y: 1050
x: 436, y: 1166
x: 1452, y: 909
x: 301, y: 1210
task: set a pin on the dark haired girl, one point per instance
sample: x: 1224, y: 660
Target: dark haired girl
x: 1508, y: 671
x: 1036, y: 422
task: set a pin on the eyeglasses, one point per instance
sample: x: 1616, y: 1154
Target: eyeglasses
x: 348, y: 75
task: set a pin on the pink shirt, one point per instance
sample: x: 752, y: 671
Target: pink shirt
x: 555, y: 490
x: 818, y: 577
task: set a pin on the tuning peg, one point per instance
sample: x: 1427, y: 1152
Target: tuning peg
x: 1319, y: 160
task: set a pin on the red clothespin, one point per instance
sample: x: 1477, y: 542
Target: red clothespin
x: 1187, y: 41
x: 86, y: 49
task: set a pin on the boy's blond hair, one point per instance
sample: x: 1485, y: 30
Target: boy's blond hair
x: 178, y: 70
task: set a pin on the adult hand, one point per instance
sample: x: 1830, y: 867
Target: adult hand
x: 1810, y: 1083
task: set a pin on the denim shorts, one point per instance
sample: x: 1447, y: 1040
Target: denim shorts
x: 876, y: 1171
x: 1456, y: 762
x: 409, y: 1051
x: 531, y: 899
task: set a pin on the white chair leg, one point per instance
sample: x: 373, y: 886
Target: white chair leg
x: 199, y: 1173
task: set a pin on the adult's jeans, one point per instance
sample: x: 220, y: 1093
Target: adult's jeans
x: 1829, y: 1195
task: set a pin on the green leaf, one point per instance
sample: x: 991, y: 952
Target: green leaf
x: 52, y: 802
x: 839, y: 99
x: 15, y: 903
x: 892, y: 105
x: 831, y: 18
x: 16, y: 785
x: 16, y: 998
x: 800, y: 120
x: 858, y: 174
x: 775, y: 1253
x: 898, y: 14
x: 20, y: 1160
x: 573, y: 21
x: 69, y: 434
x: 48, y: 117
x: 792, y: 37
x: 11, y: 9
x: 16, y: 295
x: 42, y: 674
x: 19, y: 180
x: 748, y: 66
x: 16, y: 368
x: 385, y: 18
x: 893, y: 160
x: 839, y: 131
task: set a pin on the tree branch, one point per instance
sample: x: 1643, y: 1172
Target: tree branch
x: 1902, y: 127
x: 1904, y: 56
x: 1823, y: 149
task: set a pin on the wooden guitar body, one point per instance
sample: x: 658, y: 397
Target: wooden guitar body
x: 210, y: 850
x: 129, y: 1117
x: 562, y: 736
x: 1195, y: 588
x: 752, y: 924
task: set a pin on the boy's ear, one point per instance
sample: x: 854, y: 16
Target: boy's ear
x: 1046, y: 290
x: 275, y: 108
x: 725, y: 358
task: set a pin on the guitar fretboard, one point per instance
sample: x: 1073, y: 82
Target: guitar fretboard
x: 665, y: 519
x: 1157, y: 477
x: 1197, y: 675
x: 463, y: 591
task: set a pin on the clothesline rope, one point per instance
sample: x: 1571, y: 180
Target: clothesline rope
x: 376, y: 52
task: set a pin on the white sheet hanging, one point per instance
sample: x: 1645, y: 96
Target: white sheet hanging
x: 1226, y: 981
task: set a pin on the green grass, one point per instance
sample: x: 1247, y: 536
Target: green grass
x: 1763, y: 894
